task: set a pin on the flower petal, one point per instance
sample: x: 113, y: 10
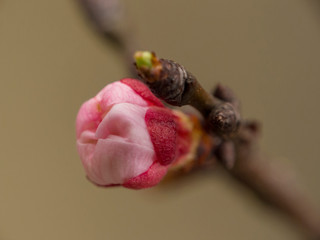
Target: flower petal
x: 89, y: 116
x: 143, y: 91
x: 163, y: 132
x: 127, y: 121
x: 93, y: 110
x: 149, y: 178
x: 116, y: 160
x: 86, y: 146
x: 118, y: 92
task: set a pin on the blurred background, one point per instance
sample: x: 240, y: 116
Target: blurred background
x: 51, y: 61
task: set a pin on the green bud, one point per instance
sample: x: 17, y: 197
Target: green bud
x: 143, y: 59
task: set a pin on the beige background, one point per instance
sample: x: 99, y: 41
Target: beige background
x: 268, y: 51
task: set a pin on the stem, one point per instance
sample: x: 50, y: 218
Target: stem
x: 109, y: 20
x: 269, y: 181
x: 170, y: 81
x: 239, y: 152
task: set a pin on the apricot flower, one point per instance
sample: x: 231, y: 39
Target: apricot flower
x: 125, y: 136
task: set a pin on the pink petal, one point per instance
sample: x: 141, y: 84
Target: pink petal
x: 86, y: 146
x: 93, y: 110
x: 127, y: 121
x: 89, y: 116
x: 118, y: 92
x: 116, y: 160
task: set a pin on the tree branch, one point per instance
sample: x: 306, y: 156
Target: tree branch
x: 111, y: 24
x: 238, y: 152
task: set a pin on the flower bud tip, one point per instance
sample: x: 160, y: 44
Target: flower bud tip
x: 148, y: 66
x: 143, y: 59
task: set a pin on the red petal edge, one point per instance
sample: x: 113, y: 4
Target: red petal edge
x: 184, y: 139
x: 143, y: 91
x: 162, y: 128
x: 149, y: 178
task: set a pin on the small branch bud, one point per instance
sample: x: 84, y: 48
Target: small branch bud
x: 172, y: 83
x: 143, y: 59
x: 225, y: 93
x: 148, y: 65
x: 224, y: 118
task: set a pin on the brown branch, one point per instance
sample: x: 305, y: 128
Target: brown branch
x: 170, y: 81
x: 239, y: 152
x: 111, y: 24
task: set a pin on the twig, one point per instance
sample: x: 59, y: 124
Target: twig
x: 239, y: 152
x: 172, y: 83
x: 109, y: 19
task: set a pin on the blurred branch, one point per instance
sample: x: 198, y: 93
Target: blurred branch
x: 238, y: 151
x: 111, y: 23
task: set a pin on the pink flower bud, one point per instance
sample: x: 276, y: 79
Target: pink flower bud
x: 125, y: 136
